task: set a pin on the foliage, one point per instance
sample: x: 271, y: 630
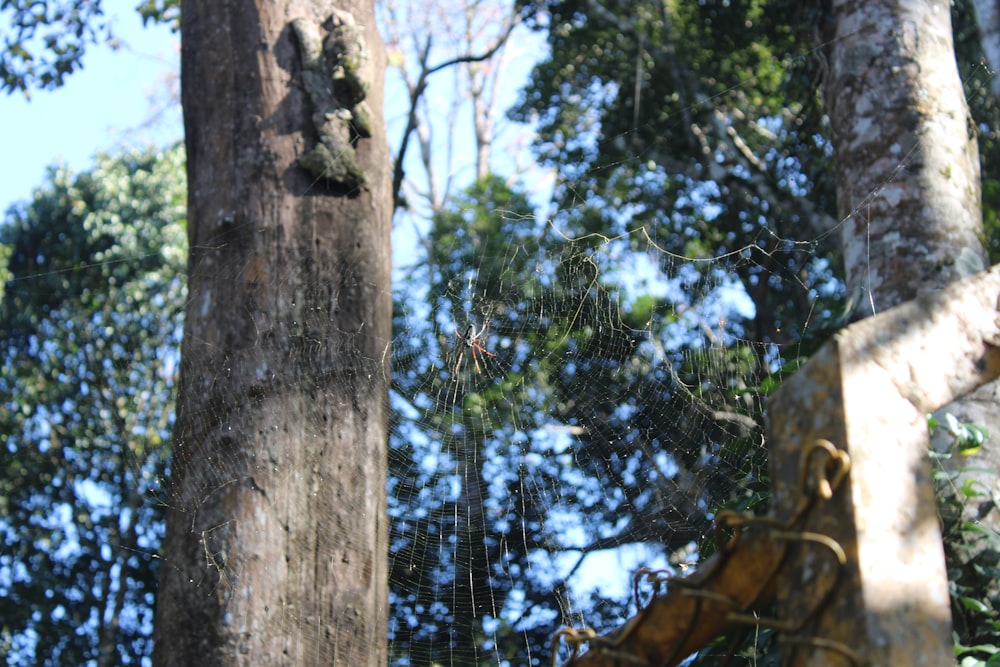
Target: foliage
x: 161, y: 11
x: 89, y: 328
x: 467, y: 420
x: 46, y: 41
x: 632, y: 107
x: 969, y: 517
x: 568, y: 355
x: 967, y: 438
x: 701, y: 123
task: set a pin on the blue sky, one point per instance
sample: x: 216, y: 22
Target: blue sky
x: 118, y: 99
x: 105, y: 106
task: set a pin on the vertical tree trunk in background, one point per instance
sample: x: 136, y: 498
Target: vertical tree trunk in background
x: 276, y: 549
x: 908, y: 193
x: 907, y: 162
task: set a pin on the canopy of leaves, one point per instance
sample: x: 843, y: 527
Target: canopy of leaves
x: 696, y: 127
x: 161, y: 11
x: 45, y: 40
x: 670, y: 126
x: 701, y: 123
x: 90, y: 324
x: 475, y: 538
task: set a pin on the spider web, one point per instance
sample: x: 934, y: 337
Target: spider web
x: 620, y: 411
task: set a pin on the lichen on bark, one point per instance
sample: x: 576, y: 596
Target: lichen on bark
x: 335, y: 75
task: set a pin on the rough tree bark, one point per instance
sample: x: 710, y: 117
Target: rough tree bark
x: 909, y: 195
x: 276, y: 549
x: 908, y: 186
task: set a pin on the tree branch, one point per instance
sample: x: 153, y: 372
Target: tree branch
x: 418, y: 89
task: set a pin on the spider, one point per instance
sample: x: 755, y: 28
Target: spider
x: 472, y: 340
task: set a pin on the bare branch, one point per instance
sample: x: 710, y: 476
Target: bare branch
x: 417, y: 90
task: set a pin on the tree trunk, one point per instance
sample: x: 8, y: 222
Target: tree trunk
x: 908, y: 195
x: 276, y: 540
x: 908, y: 184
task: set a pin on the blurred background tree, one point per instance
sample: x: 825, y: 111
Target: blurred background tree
x: 89, y: 324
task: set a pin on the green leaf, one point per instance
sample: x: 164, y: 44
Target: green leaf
x: 973, y: 604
